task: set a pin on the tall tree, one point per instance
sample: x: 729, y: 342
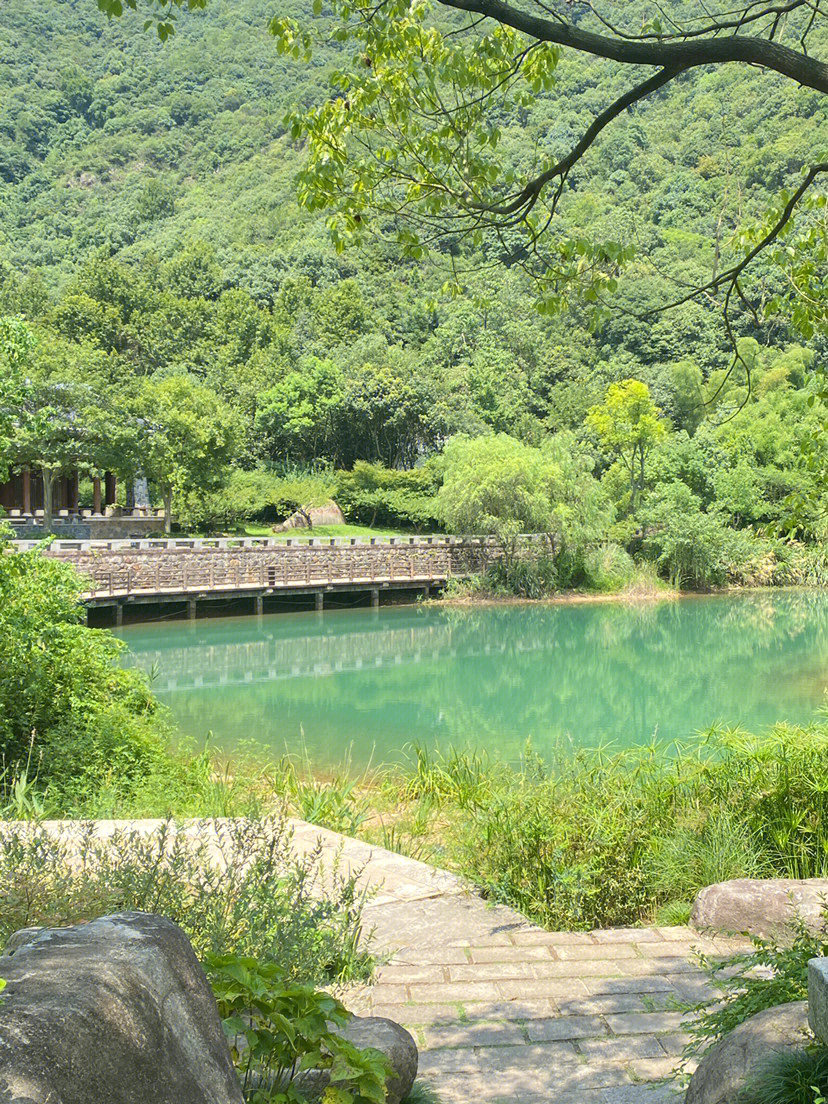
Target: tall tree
x: 189, y: 437
x: 629, y: 424
x: 16, y: 343
x: 63, y: 426
x: 496, y: 484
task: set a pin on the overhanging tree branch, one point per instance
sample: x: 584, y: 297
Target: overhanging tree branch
x: 529, y: 195
x: 676, y: 56
x: 730, y: 277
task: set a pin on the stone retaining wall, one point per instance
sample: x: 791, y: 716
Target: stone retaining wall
x: 88, y: 528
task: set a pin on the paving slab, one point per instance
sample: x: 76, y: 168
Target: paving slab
x: 503, y: 1011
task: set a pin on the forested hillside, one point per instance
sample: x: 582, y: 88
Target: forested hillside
x: 150, y: 227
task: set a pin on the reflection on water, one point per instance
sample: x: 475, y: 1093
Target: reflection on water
x: 374, y: 681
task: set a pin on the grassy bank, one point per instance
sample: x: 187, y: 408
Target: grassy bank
x: 590, y: 839
x: 596, y: 839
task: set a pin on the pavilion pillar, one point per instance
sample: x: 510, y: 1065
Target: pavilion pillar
x: 27, y: 491
x: 73, y: 500
x: 96, y: 494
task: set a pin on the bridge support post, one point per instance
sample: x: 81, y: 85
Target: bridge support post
x: 259, y: 605
x: 191, y: 609
x: 320, y: 601
x: 119, y: 614
x: 426, y: 591
x: 375, y: 598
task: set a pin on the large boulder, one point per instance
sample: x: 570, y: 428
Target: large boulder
x: 380, y: 1034
x: 306, y: 517
x: 761, y: 906
x: 732, y: 1062
x: 116, y: 1011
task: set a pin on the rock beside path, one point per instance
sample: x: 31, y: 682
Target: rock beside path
x: 761, y: 906
x: 729, y: 1065
x: 396, y: 1044
x: 116, y: 1011
x: 380, y: 1034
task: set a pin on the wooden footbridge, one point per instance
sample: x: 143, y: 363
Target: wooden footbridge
x: 193, y: 571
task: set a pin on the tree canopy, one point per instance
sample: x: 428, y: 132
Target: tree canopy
x: 152, y: 232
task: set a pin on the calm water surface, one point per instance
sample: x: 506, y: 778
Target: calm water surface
x: 374, y: 681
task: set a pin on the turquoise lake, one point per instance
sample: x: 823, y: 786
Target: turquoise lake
x: 368, y: 683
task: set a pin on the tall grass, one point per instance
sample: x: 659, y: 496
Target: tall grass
x: 584, y: 839
x: 602, y: 838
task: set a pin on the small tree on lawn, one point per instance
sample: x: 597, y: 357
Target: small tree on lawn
x: 628, y: 423
x: 189, y: 437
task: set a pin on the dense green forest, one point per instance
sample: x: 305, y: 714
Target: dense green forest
x: 150, y: 229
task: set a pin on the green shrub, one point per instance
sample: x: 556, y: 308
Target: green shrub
x: 603, y: 839
x: 608, y: 568
x: 689, y: 545
x: 334, y: 803
x: 568, y: 851
x: 278, y: 1031
x: 719, y: 849
x: 523, y: 577
x: 260, y: 495
x: 237, y: 888
x: 371, y: 494
x: 749, y: 982
x: 464, y: 778
x: 71, y: 717
x: 790, y: 1077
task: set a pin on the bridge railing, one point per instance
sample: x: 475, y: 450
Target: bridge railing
x: 61, y: 547
x: 274, y: 568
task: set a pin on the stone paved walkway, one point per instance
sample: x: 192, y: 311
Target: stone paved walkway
x: 503, y: 1011
x: 506, y: 1013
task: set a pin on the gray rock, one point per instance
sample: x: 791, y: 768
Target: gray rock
x: 761, y: 906
x: 396, y: 1044
x: 306, y: 517
x: 117, y: 1011
x: 818, y: 997
x: 729, y: 1065
x: 19, y: 939
x: 391, y: 1039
